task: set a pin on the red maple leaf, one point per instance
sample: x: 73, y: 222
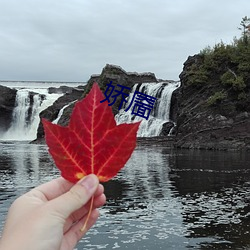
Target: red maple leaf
x: 92, y: 142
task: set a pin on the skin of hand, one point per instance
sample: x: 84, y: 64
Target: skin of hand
x: 50, y: 216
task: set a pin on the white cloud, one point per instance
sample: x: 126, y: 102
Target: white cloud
x: 70, y: 40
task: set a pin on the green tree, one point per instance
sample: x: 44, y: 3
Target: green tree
x: 225, y: 69
x: 216, y: 98
x: 245, y: 28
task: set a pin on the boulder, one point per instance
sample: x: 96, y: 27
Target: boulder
x: 118, y: 76
x: 222, y: 125
x: 60, y: 90
x: 52, y: 112
x: 166, y: 128
x: 7, y: 104
x: 64, y: 89
x: 109, y: 73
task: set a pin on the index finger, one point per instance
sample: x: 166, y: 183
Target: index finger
x: 54, y: 188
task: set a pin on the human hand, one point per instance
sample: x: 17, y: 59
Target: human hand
x: 50, y: 216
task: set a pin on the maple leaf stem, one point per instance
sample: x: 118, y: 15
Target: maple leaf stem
x: 84, y: 228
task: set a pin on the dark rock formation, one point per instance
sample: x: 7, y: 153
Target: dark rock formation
x: 118, y: 76
x: 7, y: 104
x: 166, y: 128
x: 175, y: 99
x: 52, y: 112
x: 166, y: 142
x: 222, y: 125
x: 208, y: 114
x: 63, y: 89
x: 31, y: 103
x: 109, y: 73
x: 113, y: 72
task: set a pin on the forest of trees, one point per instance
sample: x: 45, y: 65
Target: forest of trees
x: 226, y: 65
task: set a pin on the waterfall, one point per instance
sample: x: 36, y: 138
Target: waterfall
x: 160, y: 113
x: 25, y: 117
x: 61, y: 112
x: 30, y: 102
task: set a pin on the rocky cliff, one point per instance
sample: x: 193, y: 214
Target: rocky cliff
x: 210, y: 114
x: 118, y: 76
x: 7, y: 104
x: 211, y: 108
x: 51, y: 113
x: 109, y: 73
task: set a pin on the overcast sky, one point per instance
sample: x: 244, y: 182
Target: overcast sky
x: 68, y: 40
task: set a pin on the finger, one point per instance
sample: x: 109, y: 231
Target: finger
x: 54, y: 188
x: 75, y: 234
x: 75, y: 198
x: 99, y: 201
x: 99, y: 190
x: 77, y: 215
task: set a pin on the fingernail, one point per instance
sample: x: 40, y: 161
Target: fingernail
x: 89, y: 182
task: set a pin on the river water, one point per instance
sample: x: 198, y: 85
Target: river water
x: 162, y: 199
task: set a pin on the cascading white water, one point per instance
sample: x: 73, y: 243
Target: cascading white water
x: 61, y: 112
x: 160, y: 113
x: 20, y: 112
x: 25, y: 117
x: 26, y: 113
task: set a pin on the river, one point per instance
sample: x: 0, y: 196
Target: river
x: 162, y: 199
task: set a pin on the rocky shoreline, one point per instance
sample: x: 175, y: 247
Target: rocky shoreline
x: 198, y: 125
x: 7, y: 104
x: 222, y: 126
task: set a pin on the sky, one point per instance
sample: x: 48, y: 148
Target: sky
x: 69, y: 40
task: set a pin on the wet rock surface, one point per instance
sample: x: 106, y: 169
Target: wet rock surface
x: 224, y: 126
x: 118, y: 76
x: 52, y: 112
x: 7, y: 105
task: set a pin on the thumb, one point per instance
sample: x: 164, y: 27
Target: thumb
x: 76, y: 197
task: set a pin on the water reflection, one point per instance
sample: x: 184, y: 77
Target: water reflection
x: 22, y: 167
x: 214, y: 187
x: 141, y: 207
x: 26, y: 164
x: 160, y: 200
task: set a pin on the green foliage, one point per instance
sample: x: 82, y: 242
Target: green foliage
x: 244, y: 70
x: 239, y: 84
x: 232, y: 80
x: 244, y: 67
x: 245, y: 22
x: 242, y: 96
x: 210, y: 65
x: 228, y: 78
x: 197, y: 75
x: 222, y: 53
x: 216, y: 98
x: 226, y: 67
x: 206, y: 51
